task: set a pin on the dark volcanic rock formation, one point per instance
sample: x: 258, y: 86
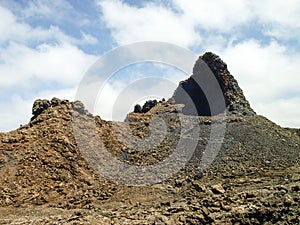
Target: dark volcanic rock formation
x: 148, y: 105
x: 40, y: 105
x: 191, y: 94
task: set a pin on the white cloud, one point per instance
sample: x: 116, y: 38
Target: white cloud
x: 266, y: 72
x: 65, y: 93
x: 180, y: 22
x: 286, y: 13
x: 216, y: 15
x: 119, y: 96
x: 57, y: 58
x: 12, y: 29
x: 26, y: 74
x: 34, y: 55
x: 281, y: 19
x: 269, y: 76
x: 155, y: 23
x: 17, y: 110
x: 62, y: 63
x: 284, y: 111
x: 36, y: 62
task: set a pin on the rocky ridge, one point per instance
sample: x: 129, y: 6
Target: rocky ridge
x: 255, y: 178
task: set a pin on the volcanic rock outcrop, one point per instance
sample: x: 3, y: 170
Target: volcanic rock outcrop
x: 192, y: 96
x: 146, y: 107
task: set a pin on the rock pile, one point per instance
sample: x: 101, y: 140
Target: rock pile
x: 40, y: 163
x: 148, y: 105
x: 40, y: 105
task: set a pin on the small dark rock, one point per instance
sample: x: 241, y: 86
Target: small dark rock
x: 149, y: 105
x: 55, y: 102
x: 39, y: 106
x: 137, y: 108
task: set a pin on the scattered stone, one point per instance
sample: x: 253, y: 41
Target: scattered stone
x: 217, y: 189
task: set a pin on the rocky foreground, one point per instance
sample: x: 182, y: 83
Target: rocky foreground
x: 254, y: 179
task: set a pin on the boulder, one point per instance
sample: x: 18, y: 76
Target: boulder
x: 137, y: 108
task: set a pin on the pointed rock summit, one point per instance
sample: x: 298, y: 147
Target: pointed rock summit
x: 191, y: 95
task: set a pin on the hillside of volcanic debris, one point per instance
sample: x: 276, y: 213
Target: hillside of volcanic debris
x: 254, y: 178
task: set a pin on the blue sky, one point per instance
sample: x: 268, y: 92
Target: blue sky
x: 47, y: 46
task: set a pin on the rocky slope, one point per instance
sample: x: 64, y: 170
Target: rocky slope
x: 254, y: 179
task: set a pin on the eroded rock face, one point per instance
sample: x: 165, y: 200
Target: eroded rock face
x: 190, y: 93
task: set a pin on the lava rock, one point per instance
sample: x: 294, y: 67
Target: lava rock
x: 191, y: 94
x: 55, y: 102
x: 137, y: 108
x: 149, y: 105
x: 146, y: 107
x: 39, y: 106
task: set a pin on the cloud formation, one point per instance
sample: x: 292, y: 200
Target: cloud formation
x: 36, y: 62
x: 186, y: 22
x: 46, y: 47
x: 252, y: 40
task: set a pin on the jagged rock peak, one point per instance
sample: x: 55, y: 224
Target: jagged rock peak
x: 40, y: 105
x: 235, y: 101
x: 44, y: 105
